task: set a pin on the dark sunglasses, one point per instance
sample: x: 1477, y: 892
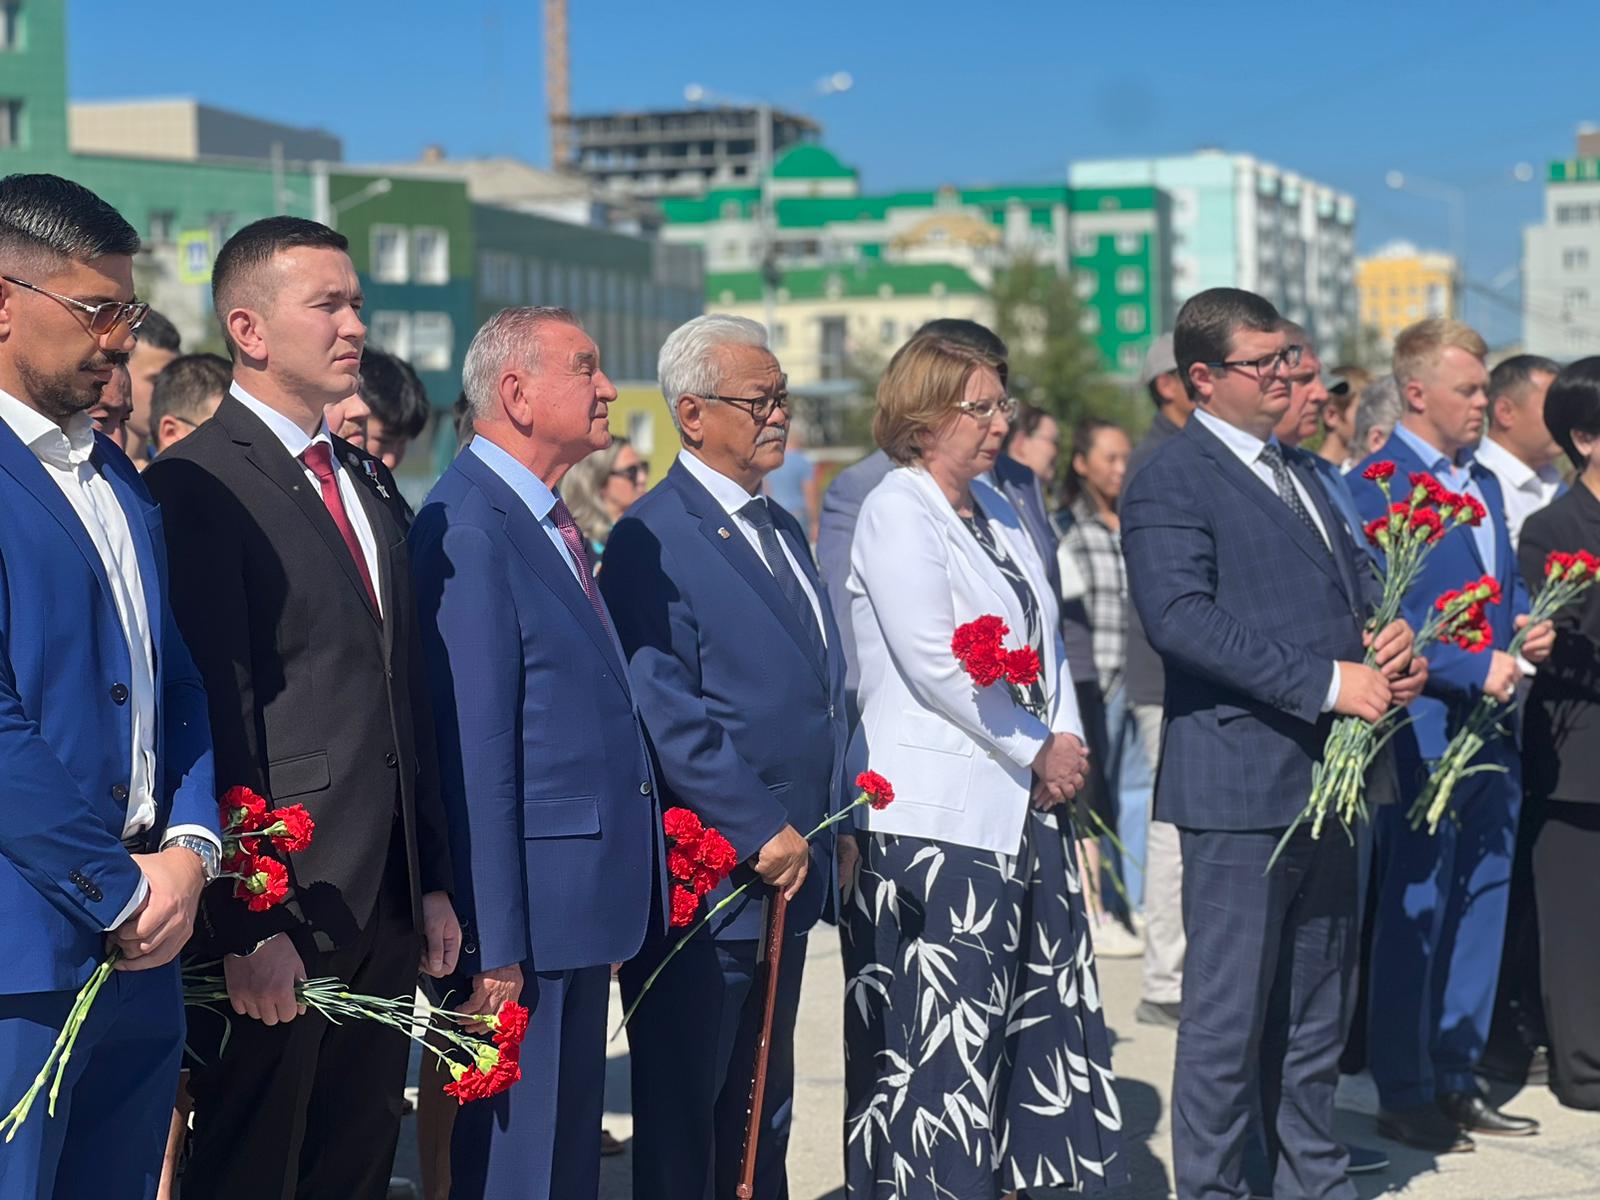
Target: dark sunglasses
x: 636, y: 474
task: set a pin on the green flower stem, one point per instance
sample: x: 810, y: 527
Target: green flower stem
x: 827, y: 823
x: 61, y: 1052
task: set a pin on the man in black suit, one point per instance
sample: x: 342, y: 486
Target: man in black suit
x: 292, y: 586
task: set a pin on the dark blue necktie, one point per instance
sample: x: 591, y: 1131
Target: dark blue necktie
x: 759, y: 515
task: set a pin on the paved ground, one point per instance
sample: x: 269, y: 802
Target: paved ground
x: 1561, y: 1164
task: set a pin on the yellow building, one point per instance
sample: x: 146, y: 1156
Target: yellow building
x: 639, y: 414
x: 1400, y: 285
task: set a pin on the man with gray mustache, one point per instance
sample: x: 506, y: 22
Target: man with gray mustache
x: 736, y: 664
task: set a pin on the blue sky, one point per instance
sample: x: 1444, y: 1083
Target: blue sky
x: 944, y: 92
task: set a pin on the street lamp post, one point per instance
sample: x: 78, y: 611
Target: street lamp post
x: 1456, y: 201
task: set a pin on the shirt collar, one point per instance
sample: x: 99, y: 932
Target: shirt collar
x: 294, y: 438
x: 1512, y: 470
x: 1430, y: 454
x: 530, y: 489
x: 730, y: 495
x: 1246, y: 446
x: 67, y: 448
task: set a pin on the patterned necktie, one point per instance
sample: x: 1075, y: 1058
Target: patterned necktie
x: 319, y: 457
x: 1287, y: 492
x: 573, y: 537
x: 759, y: 515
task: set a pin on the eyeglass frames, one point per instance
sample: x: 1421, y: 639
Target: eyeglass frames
x: 103, y: 318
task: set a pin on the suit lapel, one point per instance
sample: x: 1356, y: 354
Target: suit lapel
x: 19, y: 462
x: 266, y: 453
x: 387, y: 536
x: 536, y: 549
x: 1266, y: 500
x: 144, y: 530
x: 720, y: 529
x: 1332, y: 522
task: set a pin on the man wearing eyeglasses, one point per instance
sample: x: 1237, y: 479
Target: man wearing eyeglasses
x: 108, y: 803
x: 736, y: 664
x: 1256, y: 600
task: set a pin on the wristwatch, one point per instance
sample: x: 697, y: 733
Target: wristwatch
x: 206, y: 850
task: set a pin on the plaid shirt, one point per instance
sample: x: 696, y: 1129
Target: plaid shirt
x: 1097, y: 549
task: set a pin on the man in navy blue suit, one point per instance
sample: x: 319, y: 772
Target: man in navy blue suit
x: 1442, y: 897
x: 554, y: 820
x: 736, y: 662
x: 108, y: 826
x: 1255, y: 600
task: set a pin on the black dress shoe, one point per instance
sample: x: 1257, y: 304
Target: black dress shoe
x: 1476, y: 1115
x: 1426, y: 1129
x: 1365, y: 1160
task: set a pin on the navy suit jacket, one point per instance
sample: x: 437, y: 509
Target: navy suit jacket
x: 65, y: 736
x: 748, y: 728
x: 1455, y: 676
x: 544, y: 768
x: 836, y: 530
x: 1249, y: 611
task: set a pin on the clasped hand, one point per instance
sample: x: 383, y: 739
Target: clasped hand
x: 1060, y: 768
x: 162, y: 923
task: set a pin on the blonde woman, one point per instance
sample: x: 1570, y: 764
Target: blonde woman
x: 602, y: 487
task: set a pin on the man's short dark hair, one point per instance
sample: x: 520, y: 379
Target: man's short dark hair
x: 46, y: 220
x: 1208, y: 322
x: 394, y: 393
x: 1573, y: 403
x: 186, y: 386
x: 1025, y: 422
x: 235, y: 274
x: 1516, y: 373
x: 155, y: 330
x: 971, y: 335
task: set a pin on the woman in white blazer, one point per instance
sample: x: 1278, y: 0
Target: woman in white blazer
x: 976, y: 1051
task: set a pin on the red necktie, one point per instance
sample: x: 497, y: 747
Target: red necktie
x: 319, y: 457
x: 567, y: 527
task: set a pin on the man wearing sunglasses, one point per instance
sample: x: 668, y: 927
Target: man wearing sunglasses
x: 1255, y: 599
x: 108, y: 806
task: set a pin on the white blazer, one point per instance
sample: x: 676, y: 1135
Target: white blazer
x: 959, y: 758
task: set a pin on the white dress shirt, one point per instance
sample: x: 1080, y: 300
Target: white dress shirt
x: 296, y: 442
x: 1525, y: 490
x: 1247, y: 448
x: 732, y: 497
x: 65, y: 454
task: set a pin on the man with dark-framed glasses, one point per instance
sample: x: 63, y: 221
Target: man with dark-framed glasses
x: 738, y: 671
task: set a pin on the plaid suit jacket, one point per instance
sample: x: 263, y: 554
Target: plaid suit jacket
x: 1249, y: 610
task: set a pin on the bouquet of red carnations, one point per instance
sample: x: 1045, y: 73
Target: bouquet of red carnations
x: 1405, y: 536
x: 1566, y: 577
x: 250, y: 832
x: 686, y: 860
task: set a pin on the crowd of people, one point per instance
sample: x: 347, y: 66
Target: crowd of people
x: 209, y: 579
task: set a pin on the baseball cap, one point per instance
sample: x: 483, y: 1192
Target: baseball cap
x: 1159, y: 359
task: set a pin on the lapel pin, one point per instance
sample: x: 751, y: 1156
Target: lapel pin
x: 722, y: 532
x: 372, y: 474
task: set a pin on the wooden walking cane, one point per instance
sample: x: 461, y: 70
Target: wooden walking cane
x: 758, y: 1085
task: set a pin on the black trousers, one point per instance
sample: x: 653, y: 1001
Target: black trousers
x: 308, y: 1110
x: 1566, y: 855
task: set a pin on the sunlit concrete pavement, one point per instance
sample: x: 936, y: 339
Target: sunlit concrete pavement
x: 1563, y: 1163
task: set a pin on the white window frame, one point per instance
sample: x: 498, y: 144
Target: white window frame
x: 1130, y: 280
x: 433, y: 268
x: 1130, y: 318
x: 432, y: 341
x: 391, y: 331
x: 384, y: 271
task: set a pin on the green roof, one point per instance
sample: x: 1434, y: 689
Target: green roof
x: 1575, y: 170
x: 807, y: 160
x: 867, y: 279
x: 697, y: 210
x: 1109, y: 199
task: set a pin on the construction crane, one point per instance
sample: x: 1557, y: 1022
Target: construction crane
x: 557, y: 83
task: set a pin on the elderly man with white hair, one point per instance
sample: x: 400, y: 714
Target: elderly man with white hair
x: 736, y: 664
x: 554, y: 822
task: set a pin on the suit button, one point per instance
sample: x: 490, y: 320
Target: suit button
x: 119, y: 793
x: 644, y: 788
x: 119, y: 693
x: 469, y: 947
x: 389, y: 760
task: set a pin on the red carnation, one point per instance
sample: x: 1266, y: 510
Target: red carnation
x: 680, y: 863
x: 1022, y: 666
x: 1377, y: 530
x: 1431, y: 487
x: 1588, y: 562
x: 682, y: 826
x: 473, y: 1085
x: 1488, y: 589
x: 297, y: 828
x: 1446, y: 599
x: 703, y: 881
x: 879, y: 793
x: 264, y: 883
x: 1379, y: 470
x: 242, y: 810
x: 1428, y: 519
x: 978, y: 647
x: 716, y: 853
x: 1557, y: 562
x: 684, y: 905
x: 511, y: 1025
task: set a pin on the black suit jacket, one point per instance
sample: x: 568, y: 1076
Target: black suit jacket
x: 314, y: 700
x: 1561, y: 731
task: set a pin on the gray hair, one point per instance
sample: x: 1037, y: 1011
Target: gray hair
x: 1379, y: 407
x: 511, y: 334
x: 689, y: 365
